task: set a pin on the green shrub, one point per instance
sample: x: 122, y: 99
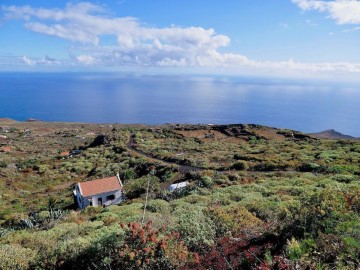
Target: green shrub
x: 128, y: 174
x: 136, y: 187
x: 222, y: 181
x: 344, y: 178
x: 266, y: 166
x: 236, y: 218
x: 240, y: 165
x: 234, y: 177
x: 27, y: 164
x: 158, y: 206
x: 42, y: 168
x: 293, y: 249
x: 196, y: 228
x: 15, y: 257
x: 336, y: 169
x: 205, y: 181
x: 310, y: 167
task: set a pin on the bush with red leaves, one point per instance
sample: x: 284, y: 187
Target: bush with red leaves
x: 147, y: 248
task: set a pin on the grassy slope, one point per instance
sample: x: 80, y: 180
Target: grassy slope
x: 271, y: 179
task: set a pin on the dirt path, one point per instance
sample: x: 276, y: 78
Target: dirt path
x: 182, y: 168
x: 185, y: 168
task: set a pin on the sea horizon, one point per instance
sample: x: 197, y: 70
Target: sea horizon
x: 154, y: 99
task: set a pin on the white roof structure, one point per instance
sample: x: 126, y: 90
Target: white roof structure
x: 178, y: 185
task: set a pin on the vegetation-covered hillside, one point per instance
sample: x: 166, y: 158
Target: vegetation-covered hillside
x: 258, y: 198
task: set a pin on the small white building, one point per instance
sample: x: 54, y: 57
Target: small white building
x: 178, y: 186
x: 100, y: 192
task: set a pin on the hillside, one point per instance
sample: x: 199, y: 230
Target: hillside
x: 332, y: 134
x: 258, y: 197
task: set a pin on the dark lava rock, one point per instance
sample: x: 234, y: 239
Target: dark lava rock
x: 100, y: 140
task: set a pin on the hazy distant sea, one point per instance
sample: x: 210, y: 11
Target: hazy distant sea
x: 110, y: 98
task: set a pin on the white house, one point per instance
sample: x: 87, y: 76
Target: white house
x: 100, y: 192
x: 178, y: 186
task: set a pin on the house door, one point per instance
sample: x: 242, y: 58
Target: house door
x: 100, y: 202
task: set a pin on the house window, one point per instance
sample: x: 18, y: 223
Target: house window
x: 110, y: 197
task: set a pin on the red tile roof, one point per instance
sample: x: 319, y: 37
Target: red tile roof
x: 5, y: 149
x: 65, y: 154
x: 99, y: 186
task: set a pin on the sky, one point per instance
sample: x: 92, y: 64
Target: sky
x: 289, y: 38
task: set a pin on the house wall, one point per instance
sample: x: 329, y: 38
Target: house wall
x: 84, y: 202
x: 96, y: 197
x: 78, y: 198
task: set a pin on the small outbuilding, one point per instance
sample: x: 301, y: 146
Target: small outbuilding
x: 100, y: 192
x: 178, y: 186
x: 64, y: 154
x: 5, y: 149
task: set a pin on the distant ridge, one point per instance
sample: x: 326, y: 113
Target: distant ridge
x: 33, y: 120
x: 7, y: 120
x: 332, y: 134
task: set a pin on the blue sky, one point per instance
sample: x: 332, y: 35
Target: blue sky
x: 292, y: 38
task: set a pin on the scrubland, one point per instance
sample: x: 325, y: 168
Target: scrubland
x: 258, y: 198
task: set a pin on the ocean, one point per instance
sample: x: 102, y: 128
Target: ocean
x: 158, y: 99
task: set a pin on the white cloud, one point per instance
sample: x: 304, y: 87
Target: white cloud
x: 138, y: 44
x: 85, y: 59
x: 84, y: 24
x: 28, y: 61
x: 342, y: 11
